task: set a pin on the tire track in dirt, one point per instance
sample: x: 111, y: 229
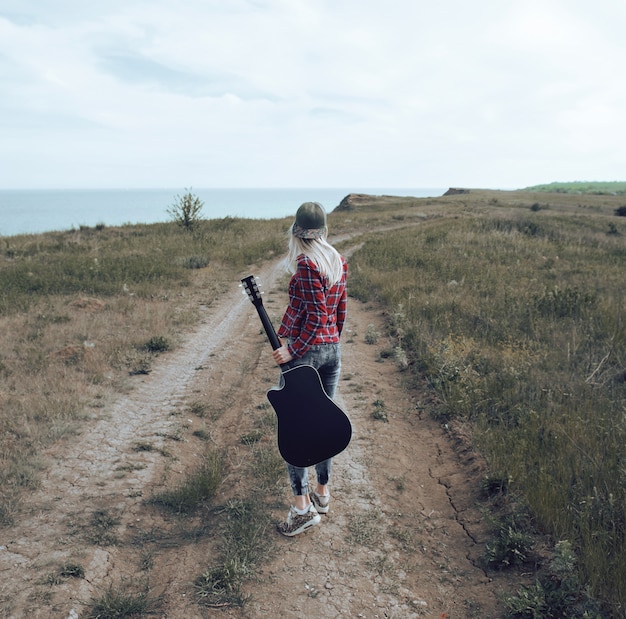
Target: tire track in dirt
x: 395, y: 543
x: 392, y: 544
x: 83, y: 476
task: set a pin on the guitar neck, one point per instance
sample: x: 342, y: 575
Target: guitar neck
x: 269, y: 328
x: 252, y: 290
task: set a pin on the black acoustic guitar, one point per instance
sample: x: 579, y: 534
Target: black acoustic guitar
x: 311, y: 427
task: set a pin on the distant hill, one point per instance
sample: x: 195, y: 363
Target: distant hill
x: 583, y: 187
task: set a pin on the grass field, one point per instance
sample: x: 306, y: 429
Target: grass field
x: 515, y: 318
x: 608, y: 188
x: 508, y: 306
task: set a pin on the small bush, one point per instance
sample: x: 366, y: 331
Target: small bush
x: 65, y: 572
x: 157, y: 344
x: 251, y: 437
x: 186, y: 211
x: 380, y: 412
x: 621, y: 211
x: 400, y: 357
x: 529, y: 603
x: 371, y: 337
x: 220, y: 586
x: 511, y: 547
x: 495, y: 485
x: 72, y: 570
x: 117, y: 603
x: 555, y: 593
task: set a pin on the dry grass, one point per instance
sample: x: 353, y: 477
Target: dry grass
x: 515, y: 317
x: 80, y: 312
x: 509, y: 304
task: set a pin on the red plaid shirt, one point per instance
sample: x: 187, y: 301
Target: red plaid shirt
x: 315, y: 314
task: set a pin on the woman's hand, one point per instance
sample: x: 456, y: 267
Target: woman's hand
x: 282, y: 355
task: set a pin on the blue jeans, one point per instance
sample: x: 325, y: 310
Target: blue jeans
x: 326, y: 359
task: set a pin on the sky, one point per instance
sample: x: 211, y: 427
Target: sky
x: 311, y: 93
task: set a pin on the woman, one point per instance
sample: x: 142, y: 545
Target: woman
x: 312, y: 326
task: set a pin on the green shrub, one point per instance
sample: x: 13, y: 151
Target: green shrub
x: 72, y: 570
x: 118, y: 602
x: 186, y: 211
x: 380, y: 411
x: 220, y: 586
x: 556, y: 593
x: 372, y: 336
x: 510, y: 547
x: 157, y: 344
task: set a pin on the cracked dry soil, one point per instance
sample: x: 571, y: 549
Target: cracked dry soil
x: 403, y: 538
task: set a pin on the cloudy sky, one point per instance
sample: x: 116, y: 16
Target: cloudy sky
x: 311, y: 93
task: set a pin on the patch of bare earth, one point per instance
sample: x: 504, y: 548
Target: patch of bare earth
x: 403, y: 537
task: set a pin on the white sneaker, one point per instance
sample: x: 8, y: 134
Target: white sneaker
x: 298, y: 523
x: 321, y: 502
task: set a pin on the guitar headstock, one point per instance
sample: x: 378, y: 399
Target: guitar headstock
x: 251, y: 288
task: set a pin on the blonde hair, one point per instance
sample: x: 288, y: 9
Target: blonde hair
x: 326, y: 258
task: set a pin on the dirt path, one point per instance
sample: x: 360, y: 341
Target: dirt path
x: 402, y: 539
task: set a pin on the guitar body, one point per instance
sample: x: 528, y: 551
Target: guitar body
x: 311, y: 427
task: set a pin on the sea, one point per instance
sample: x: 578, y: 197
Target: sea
x: 35, y: 211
